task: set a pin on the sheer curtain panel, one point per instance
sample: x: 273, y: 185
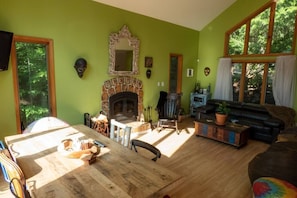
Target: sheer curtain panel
x: 284, y: 81
x: 223, y: 88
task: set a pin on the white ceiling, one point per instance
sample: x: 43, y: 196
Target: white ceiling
x: 193, y: 14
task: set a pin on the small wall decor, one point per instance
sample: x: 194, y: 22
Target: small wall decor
x: 148, y: 73
x: 80, y: 66
x: 148, y: 61
x: 206, y: 71
x: 190, y: 72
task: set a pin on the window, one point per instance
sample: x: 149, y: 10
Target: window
x: 175, y: 73
x: 34, y: 87
x: 256, y: 83
x: 253, y: 45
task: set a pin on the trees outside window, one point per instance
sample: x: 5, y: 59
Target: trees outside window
x: 253, y: 46
x: 33, y: 79
x: 256, y: 84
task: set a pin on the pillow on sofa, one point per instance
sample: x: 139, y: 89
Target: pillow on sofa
x: 289, y: 134
x: 266, y: 187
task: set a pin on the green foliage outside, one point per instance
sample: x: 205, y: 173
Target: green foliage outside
x: 283, y: 31
x: 282, y: 42
x: 32, y: 81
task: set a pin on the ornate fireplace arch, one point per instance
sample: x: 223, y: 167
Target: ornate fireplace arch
x: 118, y: 85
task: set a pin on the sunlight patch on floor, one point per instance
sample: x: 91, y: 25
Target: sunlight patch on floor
x: 167, y: 140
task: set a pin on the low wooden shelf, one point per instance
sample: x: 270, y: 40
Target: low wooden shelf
x: 233, y: 134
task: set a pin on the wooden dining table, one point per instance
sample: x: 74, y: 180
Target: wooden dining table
x: 117, y: 171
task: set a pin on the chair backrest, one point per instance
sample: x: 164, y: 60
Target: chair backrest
x: 45, y: 123
x: 2, y: 147
x: 138, y: 143
x: 161, y: 103
x: 171, y: 106
x: 120, y: 132
x: 16, y: 177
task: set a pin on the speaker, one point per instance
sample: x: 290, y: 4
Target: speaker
x: 5, y: 47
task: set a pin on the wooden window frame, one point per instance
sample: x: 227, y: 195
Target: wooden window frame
x: 51, y: 74
x: 265, y: 58
x: 247, y: 21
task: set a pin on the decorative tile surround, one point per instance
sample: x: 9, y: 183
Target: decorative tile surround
x: 121, y: 84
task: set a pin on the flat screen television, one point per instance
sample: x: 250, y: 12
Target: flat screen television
x: 5, y: 47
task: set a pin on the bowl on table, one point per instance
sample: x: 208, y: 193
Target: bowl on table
x: 79, y: 149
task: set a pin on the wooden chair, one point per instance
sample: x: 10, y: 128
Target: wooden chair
x: 2, y: 147
x: 168, y: 115
x: 120, y: 132
x: 45, y: 123
x: 138, y: 143
x: 17, y: 181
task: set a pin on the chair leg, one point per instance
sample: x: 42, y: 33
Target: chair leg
x: 176, y: 127
x: 158, y: 126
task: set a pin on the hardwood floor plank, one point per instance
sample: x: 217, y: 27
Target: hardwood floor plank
x: 210, y: 168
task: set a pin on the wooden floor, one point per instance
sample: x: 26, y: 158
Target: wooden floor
x: 209, y: 168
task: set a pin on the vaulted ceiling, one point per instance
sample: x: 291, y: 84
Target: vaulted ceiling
x: 193, y: 14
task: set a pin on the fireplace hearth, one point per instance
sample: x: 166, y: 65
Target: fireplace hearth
x: 123, y: 106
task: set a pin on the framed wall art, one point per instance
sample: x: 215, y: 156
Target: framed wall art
x: 148, y: 61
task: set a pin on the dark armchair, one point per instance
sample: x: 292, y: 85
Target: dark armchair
x: 168, y: 110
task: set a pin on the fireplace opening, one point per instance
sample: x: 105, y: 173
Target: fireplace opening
x: 123, y: 106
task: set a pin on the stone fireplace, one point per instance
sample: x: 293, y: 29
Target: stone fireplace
x: 122, y: 98
x: 123, y: 106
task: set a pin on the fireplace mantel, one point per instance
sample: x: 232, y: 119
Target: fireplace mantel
x: 121, y: 84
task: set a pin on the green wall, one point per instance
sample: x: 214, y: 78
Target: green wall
x: 212, y: 38
x: 80, y: 28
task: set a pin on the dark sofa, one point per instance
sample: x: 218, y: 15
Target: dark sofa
x: 264, y: 126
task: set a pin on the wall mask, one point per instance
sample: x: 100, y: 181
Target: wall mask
x: 148, y: 73
x: 80, y: 66
x: 206, y: 71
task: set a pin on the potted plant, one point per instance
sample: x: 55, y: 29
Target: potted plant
x: 222, y: 113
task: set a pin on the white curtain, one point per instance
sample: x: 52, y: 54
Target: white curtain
x: 284, y: 81
x: 223, y: 88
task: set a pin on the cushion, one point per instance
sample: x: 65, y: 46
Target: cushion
x: 266, y: 187
x: 289, y: 134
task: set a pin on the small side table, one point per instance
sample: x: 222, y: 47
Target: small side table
x: 198, y: 100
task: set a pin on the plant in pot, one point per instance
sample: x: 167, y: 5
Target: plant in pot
x: 222, y: 113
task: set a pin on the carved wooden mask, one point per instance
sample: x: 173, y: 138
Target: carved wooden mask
x: 206, y: 71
